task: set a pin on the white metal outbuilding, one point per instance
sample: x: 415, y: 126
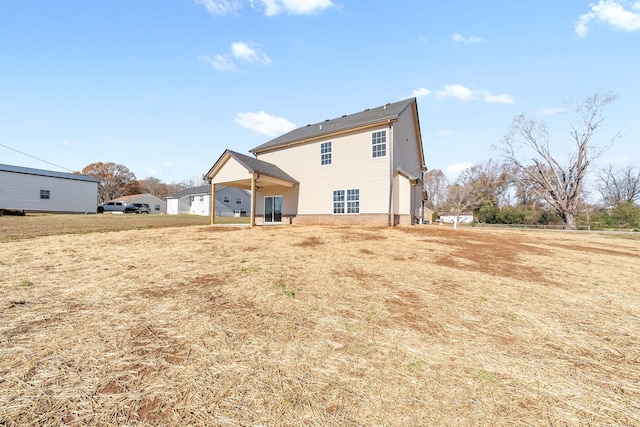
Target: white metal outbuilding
x: 47, y: 191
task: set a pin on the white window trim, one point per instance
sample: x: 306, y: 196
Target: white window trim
x: 330, y: 153
x: 386, y: 144
x: 281, y: 213
x: 346, y: 192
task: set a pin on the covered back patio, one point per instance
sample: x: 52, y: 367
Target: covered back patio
x: 262, y: 179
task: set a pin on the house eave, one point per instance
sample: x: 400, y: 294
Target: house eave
x: 324, y: 136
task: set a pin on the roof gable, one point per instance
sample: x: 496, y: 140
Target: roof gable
x: 133, y: 196
x: 346, y: 122
x: 252, y: 165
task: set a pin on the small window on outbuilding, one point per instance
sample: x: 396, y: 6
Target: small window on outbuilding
x: 225, y: 199
x: 45, y: 194
x: 238, y: 201
x: 157, y: 207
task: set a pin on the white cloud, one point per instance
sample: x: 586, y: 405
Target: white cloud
x: 456, y: 91
x: 219, y: 62
x: 459, y: 38
x: 264, y: 123
x: 292, y: 7
x: 497, y: 99
x: 612, y: 13
x: 243, y: 52
x: 220, y: 7
x: 67, y: 143
x: 454, y: 170
x: 552, y: 111
x: 420, y: 93
x: 444, y: 132
x: 463, y: 93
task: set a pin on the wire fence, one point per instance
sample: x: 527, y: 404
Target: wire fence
x: 584, y: 227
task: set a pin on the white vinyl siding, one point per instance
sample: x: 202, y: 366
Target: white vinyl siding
x: 29, y: 192
x: 232, y: 171
x: 351, y: 167
x: 406, y: 155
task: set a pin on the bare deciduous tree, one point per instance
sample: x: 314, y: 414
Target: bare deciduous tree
x: 459, y: 200
x: 619, y: 186
x: 560, y: 185
x: 156, y: 187
x: 488, y: 182
x: 435, y: 184
x: 194, y: 181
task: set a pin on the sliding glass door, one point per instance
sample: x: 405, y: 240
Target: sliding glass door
x: 272, y: 209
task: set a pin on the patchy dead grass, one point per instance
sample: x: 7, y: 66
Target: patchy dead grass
x: 319, y: 326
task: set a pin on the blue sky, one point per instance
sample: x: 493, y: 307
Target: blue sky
x: 164, y: 86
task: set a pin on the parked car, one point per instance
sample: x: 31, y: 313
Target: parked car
x: 138, y: 208
x: 111, y: 207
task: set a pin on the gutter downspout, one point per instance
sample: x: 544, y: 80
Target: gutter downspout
x: 391, y: 174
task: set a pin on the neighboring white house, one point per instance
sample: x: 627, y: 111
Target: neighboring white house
x: 362, y: 168
x: 230, y: 201
x: 156, y: 204
x: 46, y: 191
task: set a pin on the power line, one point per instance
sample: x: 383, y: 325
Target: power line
x: 37, y: 158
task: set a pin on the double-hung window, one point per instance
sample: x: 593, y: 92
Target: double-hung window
x: 379, y: 144
x: 45, y: 194
x: 346, y: 201
x: 353, y: 201
x: 325, y: 153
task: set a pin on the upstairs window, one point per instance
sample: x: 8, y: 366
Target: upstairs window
x: 379, y: 144
x: 238, y: 201
x: 45, y: 194
x: 225, y: 199
x: 325, y: 153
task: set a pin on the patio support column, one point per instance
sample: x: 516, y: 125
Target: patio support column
x: 213, y: 203
x: 252, y: 213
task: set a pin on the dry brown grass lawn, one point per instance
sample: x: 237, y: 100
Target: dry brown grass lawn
x: 319, y: 326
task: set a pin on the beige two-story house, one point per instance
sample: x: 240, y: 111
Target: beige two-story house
x: 362, y: 168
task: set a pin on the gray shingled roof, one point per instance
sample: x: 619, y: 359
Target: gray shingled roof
x: 42, y: 172
x: 368, y: 116
x: 262, y: 167
x: 254, y: 165
x: 203, y: 189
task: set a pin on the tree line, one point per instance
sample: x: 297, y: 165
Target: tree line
x: 530, y: 183
x: 116, y: 180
